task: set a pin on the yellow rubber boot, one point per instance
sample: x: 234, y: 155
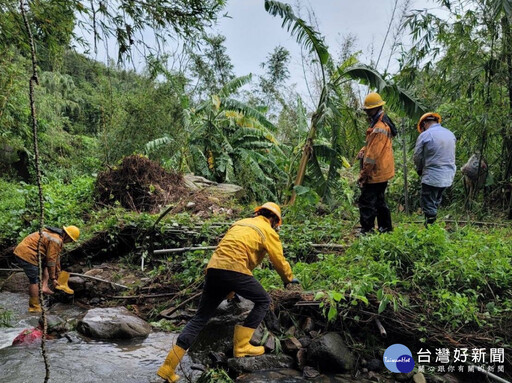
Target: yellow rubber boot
x: 33, y: 305
x: 63, y: 283
x: 241, y: 345
x: 167, y: 370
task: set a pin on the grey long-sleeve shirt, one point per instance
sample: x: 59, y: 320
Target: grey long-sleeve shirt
x: 434, y: 156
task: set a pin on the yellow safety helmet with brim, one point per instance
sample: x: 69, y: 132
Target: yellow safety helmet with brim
x: 426, y: 117
x: 373, y: 100
x: 72, y: 231
x: 273, y: 207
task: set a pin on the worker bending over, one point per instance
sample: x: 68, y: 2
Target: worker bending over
x: 230, y: 270
x: 52, y: 242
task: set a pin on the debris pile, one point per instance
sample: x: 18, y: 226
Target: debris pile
x: 139, y: 184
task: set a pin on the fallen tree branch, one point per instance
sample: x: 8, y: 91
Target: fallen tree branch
x: 183, y: 249
x: 168, y: 312
x: 328, y: 245
x: 99, y: 279
x: 142, y: 296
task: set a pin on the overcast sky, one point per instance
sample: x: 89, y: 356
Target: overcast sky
x: 252, y: 33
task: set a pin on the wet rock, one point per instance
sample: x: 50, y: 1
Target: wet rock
x: 113, y: 323
x: 308, y: 325
x: 77, y: 284
x: 329, y: 353
x: 342, y: 378
x: 272, y: 322
x: 217, y: 335
x: 419, y: 378
x: 305, y: 341
x: 277, y: 376
x: 310, y: 372
x: 270, y: 344
x: 402, y: 377
x: 227, y: 190
x: 375, y: 365
x: 94, y: 301
x: 301, y: 358
x: 291, y: 345
x: 55, y: 324
x: 259, y: 363
x: 16, y: 283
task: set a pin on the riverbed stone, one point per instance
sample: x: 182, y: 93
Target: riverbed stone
x: 282, y: 375
x: 16, y: 283
x: 260, y: 363
x: 113, y: 323
x: 329, y: 353
x: 217, y: 335
x: 375, y: 365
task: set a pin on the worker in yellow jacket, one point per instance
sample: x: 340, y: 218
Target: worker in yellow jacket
x: 230, y: 270
x: 52, y: 242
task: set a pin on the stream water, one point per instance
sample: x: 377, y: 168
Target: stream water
x: 79, y: 359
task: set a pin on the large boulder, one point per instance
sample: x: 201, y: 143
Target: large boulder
x: 196, y: 183
x: 16, y: 283
x: 329, y: 353
x: 217, y: 335
x: 113, y: 323
x: 261, y: 363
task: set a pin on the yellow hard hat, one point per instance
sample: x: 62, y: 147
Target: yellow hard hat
x: 274, y: 208
x: 373, y: 100
x: 425, y: 116
x: 72, y: 231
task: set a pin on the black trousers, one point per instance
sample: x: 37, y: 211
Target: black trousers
x: 372, y: 204
x: 431, y: 197
x: 218, y: 284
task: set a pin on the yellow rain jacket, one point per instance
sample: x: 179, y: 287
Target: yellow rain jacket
x: 244, y: 246
x: 378, y: 161
x: 51, y: 246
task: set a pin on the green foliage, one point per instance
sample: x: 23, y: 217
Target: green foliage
x: 166, y: 325
x: 6, y: 317
x: 65, y: 204
x: 215, y: 375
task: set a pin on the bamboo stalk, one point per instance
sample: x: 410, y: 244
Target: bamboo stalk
x: 99, y: 279
x: 183, y: 249
x: 142, y: 296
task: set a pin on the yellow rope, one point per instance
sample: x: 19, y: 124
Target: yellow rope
x: 32, y: 83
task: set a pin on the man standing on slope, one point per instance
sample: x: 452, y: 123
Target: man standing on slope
x: 230, y: 270
x: 434, y: 158
x: 378, y: 167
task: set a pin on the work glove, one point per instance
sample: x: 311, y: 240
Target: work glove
x: 363, y: 179
x: 294, y: 281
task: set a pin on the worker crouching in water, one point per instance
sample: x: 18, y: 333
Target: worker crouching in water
x: 52, y: 242
x: 230, y: 270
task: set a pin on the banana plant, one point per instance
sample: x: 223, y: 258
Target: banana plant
x: 326, y: 117
x: 230, y: 141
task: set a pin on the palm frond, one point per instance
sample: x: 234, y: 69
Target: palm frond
x: 200, y: 162
x: 304, y: 33
x: 235, y: 84
x: 230, y: 104
x: 393, y: 95
x: 156, y: 144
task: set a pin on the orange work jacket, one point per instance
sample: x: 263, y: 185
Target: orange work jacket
x: 378, y: 160
x: 51, y: 246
